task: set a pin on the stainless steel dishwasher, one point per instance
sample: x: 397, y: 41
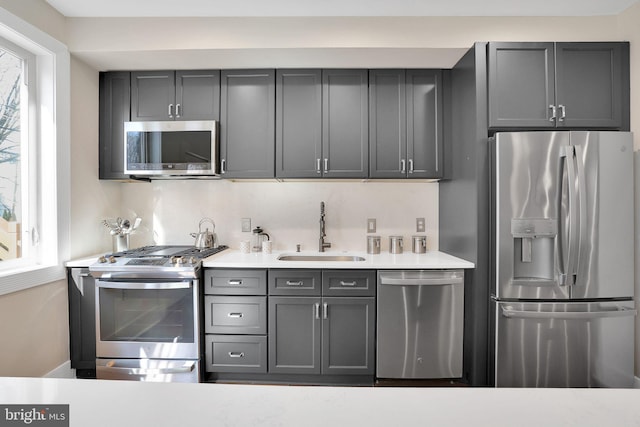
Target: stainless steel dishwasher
x: 420, y: 316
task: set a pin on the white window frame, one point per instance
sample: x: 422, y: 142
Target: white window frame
x: 52, y: 135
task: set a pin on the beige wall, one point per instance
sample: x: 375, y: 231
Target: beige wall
x: 34, y: 330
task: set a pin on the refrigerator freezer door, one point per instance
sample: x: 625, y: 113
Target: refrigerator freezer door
x: 605, y: 210
x: 532, y: 200
x: 564, y: 344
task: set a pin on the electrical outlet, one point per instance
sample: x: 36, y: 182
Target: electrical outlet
x: 420, y: 227
x: 371, y: 225
x: 246, y: 225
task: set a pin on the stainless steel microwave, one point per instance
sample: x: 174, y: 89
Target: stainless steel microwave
x: 171, y: 149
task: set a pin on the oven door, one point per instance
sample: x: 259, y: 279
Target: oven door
x: 147, y: 320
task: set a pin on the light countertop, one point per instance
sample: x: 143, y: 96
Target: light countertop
x: 408, y: 260
x: 100, y: 403
x: 232, y: 258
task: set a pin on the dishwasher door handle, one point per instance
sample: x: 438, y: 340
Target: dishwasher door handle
x: 439, y: 281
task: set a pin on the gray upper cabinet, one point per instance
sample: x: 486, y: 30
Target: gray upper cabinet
x: 589, y: 80
x: 345, y: 130
x: 405, y: 124
x: 115, y: 99
x: 548, y: 85
x: 247, y: 123
x: 321, y: 124
x: 298, y: 123
x: 175, y: 95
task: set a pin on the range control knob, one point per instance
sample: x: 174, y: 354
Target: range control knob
x: 102, y: 259
x: 193, y: 260
x: 112, y: 259
x: 177, y: 260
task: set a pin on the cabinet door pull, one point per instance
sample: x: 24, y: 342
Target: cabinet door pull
x: 223, y: 166
x: 402, y: 166
x: 178, y: 108
x: 553, y: 113
x: 235, y: 354
x: 343, y: 283
x: 236, y: 282
x: 317, y: 311
x: 326, y: 164
x: 563, y: 113
x: 325, y: 310
x: 318, y: 167
x: 291, y: 283
x: 410, y: 165
x: 170, y: 112
x: 236, y: 315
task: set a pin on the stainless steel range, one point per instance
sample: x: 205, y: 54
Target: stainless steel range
x: 147, y: 313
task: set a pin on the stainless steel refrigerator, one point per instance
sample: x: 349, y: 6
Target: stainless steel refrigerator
x: 562, y: 269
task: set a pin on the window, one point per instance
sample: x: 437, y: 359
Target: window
x: 15, y: 205
x: 34, y: 155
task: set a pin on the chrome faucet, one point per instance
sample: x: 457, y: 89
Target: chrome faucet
x: 323, y: 245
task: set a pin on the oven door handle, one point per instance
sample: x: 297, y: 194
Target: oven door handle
x: 146, y: 285
x: 112, y: 365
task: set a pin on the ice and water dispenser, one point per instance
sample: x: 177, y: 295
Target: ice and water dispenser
x: 533, y: 254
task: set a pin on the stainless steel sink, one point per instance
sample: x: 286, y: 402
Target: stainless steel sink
x: 328, y: 258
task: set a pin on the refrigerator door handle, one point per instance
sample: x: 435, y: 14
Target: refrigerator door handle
x: 576, y: 315
x: 567, y: 277
x: 582, y: 209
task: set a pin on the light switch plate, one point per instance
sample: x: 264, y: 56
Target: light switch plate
x: 371, y: 225
x: 420, y: 227
x: 246, y: 225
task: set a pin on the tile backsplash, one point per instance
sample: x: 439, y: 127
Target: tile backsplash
x: 288, y: 211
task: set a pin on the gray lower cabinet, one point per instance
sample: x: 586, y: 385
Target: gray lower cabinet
x: 563, y: 85
x: 115, y: 102
x: 175, y: 95
x: 322, y: 334
x: 405, y: 123
x: 247, y: 123
x: 294, y: 335
x: 82, y: 321
x: 235, y: 316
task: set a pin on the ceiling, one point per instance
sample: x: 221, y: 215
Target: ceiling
x: 240, y: 8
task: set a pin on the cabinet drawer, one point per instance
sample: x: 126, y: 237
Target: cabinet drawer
x: 295, y: 282
x: 349, y: 282
x: 235, y: 315
x: 235, y: 282
x: 231, y: 353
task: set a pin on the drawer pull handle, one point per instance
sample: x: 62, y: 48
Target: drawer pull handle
x: 343, y: 283
x: 291, y: 283
x: 235, y: 354
x: 237, y: 282
x: 237, y: 315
